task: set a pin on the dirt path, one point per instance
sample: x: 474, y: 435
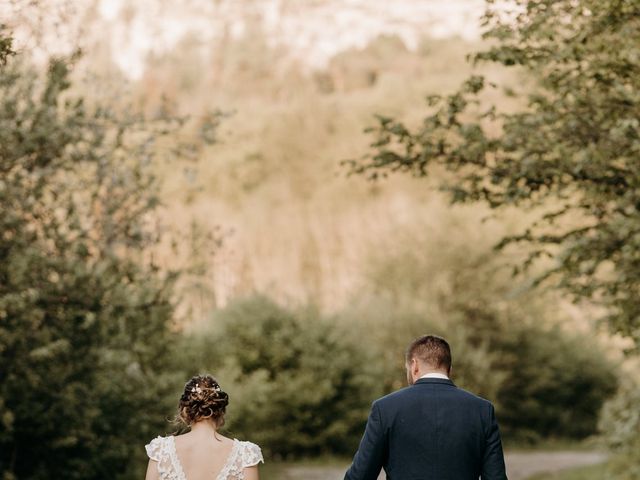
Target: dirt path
x: 520, y: 466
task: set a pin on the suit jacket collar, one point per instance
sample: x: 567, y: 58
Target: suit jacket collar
x: 442, y: 381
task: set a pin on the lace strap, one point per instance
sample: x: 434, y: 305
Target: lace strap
x: 173, y: 457
x: 243, y: 455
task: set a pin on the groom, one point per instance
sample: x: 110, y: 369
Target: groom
x: 431, y: 430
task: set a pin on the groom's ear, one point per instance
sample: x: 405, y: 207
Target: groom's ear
x: 415, y: 366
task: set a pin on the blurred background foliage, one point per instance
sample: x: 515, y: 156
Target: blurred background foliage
x: 301, y: 383
x: 196, y: 218
x: 85, y: 313
x: 297, y: 380
x: 568, y: 157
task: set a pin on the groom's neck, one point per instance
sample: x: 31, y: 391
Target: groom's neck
x: 430, y: 370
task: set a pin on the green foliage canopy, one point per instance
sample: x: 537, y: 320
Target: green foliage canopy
x: 84, y: 315
x: 573, y: 150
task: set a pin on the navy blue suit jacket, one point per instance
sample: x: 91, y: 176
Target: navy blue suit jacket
x: 431, y: 430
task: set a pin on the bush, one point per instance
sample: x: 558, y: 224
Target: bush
x: 387, y: 329
x: 299, y: 385
x: 555, y: 384
x: 543, y: 381
x: 620, y: 424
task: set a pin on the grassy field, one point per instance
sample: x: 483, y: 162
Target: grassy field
x: 597, y: 472
x: 553, y: 445
x: 567, y: 463
x: 278, y: 470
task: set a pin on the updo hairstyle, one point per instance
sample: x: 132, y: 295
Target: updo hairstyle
x: 202, y: 399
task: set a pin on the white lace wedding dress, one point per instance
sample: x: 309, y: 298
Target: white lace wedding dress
x: 163, y: 451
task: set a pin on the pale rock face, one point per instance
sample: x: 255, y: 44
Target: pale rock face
x: 311, y: 31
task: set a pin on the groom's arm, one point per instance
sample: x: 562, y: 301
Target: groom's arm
x: 493, y: 461
x: 372, y: 452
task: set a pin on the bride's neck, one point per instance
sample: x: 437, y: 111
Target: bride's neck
x: 204, y: 428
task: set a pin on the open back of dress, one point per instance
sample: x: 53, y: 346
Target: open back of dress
x: 242, y: 455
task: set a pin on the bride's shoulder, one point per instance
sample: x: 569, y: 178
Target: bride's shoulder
x: 250, y: 453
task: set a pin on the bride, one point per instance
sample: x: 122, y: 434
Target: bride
x: 202, y: 453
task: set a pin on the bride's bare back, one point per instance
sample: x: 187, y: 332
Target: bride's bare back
x: 192, y: 457
x: 200, y: 457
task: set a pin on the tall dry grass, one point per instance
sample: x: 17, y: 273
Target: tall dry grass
x: 298, y: 228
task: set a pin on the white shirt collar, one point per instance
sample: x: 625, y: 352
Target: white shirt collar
x: 435, y: 375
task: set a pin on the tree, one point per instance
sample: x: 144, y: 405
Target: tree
x: 570, y: 155
x: 85, y: 314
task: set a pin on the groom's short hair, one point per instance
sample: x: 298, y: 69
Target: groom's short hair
x: 431, y: 350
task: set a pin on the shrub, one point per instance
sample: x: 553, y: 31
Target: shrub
x: 620, y: 424
x: 299, y: 384
x: 555, y: 383
x: 543, y: 381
